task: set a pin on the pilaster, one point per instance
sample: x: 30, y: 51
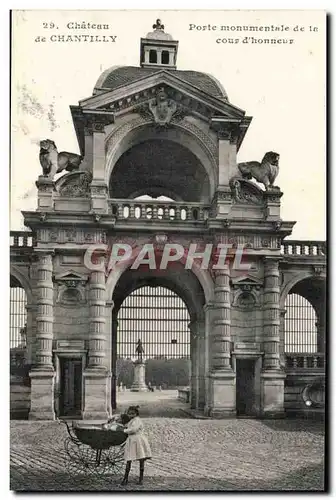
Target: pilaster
x: 99, y: 189
x: 42, y: 374
x: 222, y: 386
x: 96, y: 376
x: 272, y: 377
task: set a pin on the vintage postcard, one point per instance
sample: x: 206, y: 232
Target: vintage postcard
x: 168, y: 250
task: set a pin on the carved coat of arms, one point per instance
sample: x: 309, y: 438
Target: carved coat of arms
x: 162, y: 108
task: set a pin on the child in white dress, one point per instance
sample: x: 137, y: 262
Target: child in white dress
x: 137, y: 446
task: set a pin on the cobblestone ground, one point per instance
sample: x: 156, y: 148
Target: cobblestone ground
x: 188, y: 454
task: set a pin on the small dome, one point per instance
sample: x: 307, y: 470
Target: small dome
x: 158, y: 33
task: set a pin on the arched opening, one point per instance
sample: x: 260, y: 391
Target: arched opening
x: 159, y: 317
x: 300, y: 325
x: 303, y: 326
x: 19, y: 358
x: 153, y: 56
x: 156, y: 308
x: 165, y: 57
x: 18, y: 315
x: 157, y: 167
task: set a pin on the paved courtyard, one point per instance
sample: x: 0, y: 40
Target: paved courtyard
x: 188, y: 454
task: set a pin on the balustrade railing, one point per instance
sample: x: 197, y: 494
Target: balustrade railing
x: 302, y: 247
x: 158, y: 210
x: 21, y: 239
x: 307, y: 361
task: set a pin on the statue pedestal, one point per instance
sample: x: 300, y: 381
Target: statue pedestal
x: 139, y: 384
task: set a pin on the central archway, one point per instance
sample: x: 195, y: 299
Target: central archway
x: 160, y: 167
x: 161, y: 308
x: 200, y: 150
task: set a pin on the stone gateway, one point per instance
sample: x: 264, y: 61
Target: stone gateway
x: 158, y: 165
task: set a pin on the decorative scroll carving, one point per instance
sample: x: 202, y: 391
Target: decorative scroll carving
x: 245, y: 192
x: 78, y: 186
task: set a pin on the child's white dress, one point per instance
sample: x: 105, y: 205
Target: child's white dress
x: 137, y: 445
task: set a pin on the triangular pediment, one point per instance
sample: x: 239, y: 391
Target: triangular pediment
x: 70, y: 276
x: 246, y: 281
x: 128, y: 97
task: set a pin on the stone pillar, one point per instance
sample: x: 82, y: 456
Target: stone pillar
x: 146, y: 50
x: 139, y: 381
x: 282, y: 353
x: 320, y: 326
x: 31, y: 310
x: 109, y: 351
x: 171, y: 57
x: 87, y: 163
x: 227, y: 168
x: 272, y: 378
x: 222, y: 401
x: 42, y: 374
x: 198, y: 362
x: 99, y: 187
x: 194, y: 359
x: 114, y: 353
x: 227, y: 158
x: 96, y: 375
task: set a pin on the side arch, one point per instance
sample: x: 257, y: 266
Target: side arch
x: 302, y: 275
x: 24, y: 281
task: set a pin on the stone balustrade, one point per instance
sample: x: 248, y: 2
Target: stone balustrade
x: 158, y: 210
x: 309, y: 361
x: 21, y: 239
x: 302, y: 247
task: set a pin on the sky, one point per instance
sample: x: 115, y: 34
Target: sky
x: 282, y: 86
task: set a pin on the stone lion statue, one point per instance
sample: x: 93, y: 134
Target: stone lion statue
x: 53, y: 162
x: 264, y: 172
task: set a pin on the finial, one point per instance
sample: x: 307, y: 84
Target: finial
x: 158, y: 25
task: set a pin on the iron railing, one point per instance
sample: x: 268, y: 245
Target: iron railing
x: 159, y: 318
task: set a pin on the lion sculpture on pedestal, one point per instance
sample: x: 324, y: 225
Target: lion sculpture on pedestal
x: 265, y: 172
x: 53, y: 162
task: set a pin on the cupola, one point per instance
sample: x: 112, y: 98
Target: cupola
x: 158, y: 49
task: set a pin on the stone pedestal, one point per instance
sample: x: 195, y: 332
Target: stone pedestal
x: 45, y: 196
x: 96, y: 405
x: 272, y: 394
x: 222, y: 394
x: 139, y: 384
x: 42, y: 395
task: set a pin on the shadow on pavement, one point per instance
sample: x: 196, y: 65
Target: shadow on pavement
x: 301, y: 425
x: 303, y: 479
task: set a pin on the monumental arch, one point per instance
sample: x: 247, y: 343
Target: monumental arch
x: 159, y: 166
